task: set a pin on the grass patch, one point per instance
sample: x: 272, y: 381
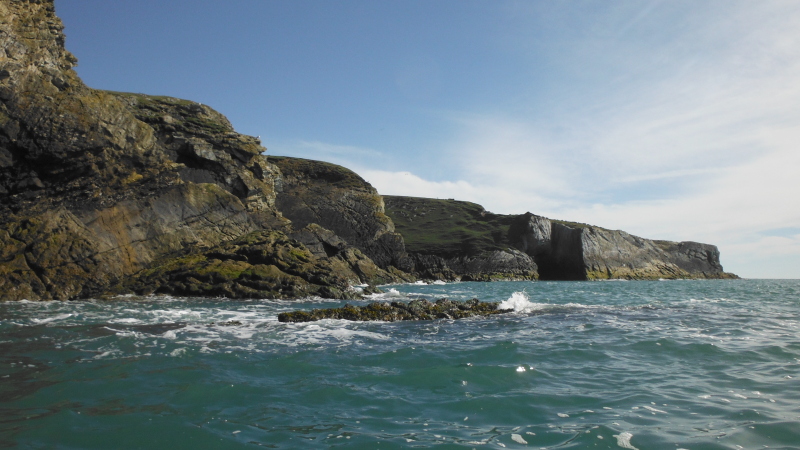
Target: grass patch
x: 447, y: 228
x: 336, y: 175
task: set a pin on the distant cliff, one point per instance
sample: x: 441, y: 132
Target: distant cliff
x: 441, y: 234
x: 455, y: 240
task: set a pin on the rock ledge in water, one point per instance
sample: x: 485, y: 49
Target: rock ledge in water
x: 420, y: 309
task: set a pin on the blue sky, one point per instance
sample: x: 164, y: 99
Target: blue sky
x: 673, y: 120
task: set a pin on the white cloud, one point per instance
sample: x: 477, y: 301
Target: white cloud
x: 494, y: 198
x: 408, y: 184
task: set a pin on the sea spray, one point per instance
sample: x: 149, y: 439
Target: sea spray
x: 519, y: 302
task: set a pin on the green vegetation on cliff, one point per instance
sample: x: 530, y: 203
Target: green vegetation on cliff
x: 419, y: 309
x: 262, y: 264
x: 329, y: 173
x: 447, y: 228
x: 452, y: 239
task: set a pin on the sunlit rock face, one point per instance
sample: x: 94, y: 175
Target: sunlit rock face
x: 98, y: 188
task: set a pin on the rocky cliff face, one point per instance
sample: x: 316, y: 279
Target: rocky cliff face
x: 111, y: 192
x: 558, y: 250
x: 569, y: 251
x: 454, y: 240
x: 338, y: 199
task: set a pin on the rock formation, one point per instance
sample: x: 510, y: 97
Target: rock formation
x: 558, y: 250
x: 419, y: 309
x: 455, y: 240
x: 100, y: 188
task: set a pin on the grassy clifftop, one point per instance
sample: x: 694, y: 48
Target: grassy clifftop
x: 447, y: 228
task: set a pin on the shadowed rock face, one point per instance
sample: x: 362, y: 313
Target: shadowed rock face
x: 420, y: 309
x: 338, y: 199
x: 582, y: 252
x: 558, y: 250
x: 97, y: 188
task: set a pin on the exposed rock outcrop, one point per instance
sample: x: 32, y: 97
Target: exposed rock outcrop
x: 496, y: 265
x: 559, y: 250
x: 339, y: 200
x: 455, y: 240
x: 98, y: 189
x: 419, y: 309
x: 570, y: 251
x: 263, y: 264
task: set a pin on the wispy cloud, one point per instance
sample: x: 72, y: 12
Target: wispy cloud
x: 351, y: 156
x: 492, y: 197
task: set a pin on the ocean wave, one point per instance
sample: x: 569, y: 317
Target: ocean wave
x: 520, y: 302
x: 392, y: 293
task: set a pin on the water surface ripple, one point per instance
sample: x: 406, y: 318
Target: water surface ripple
x: 645, y: 365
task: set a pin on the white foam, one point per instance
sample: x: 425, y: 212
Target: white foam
x: 650, y: 408
x: 171, y: 334
x: 624, y: 440
x: 439, y: 282
x: 327, y: 331
x: 518, y: 439
x: 344, y: 334
x: 128, y: 320
x: 519, y: 302
x: 391, y: 293
x: 51, y: 319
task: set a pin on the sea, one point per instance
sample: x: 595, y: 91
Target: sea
x: 683, y: 364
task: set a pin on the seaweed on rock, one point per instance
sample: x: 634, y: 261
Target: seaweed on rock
x: 418, y: 309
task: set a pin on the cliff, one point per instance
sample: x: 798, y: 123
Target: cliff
x: 557, y: 250
x: 104, y: 192
x: 455, y: 240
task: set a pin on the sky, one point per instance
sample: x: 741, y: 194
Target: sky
x: 676, y: 120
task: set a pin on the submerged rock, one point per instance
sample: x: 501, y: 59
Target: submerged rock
x: 419, y: 309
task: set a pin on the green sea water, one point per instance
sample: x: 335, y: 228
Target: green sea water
x: 600, y: 365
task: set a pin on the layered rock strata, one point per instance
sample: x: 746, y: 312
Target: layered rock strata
x: 570, y: 251
x: 99, y: 189
x: 558, y: 250
x: 338, y: 199
x: 454, y: 240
